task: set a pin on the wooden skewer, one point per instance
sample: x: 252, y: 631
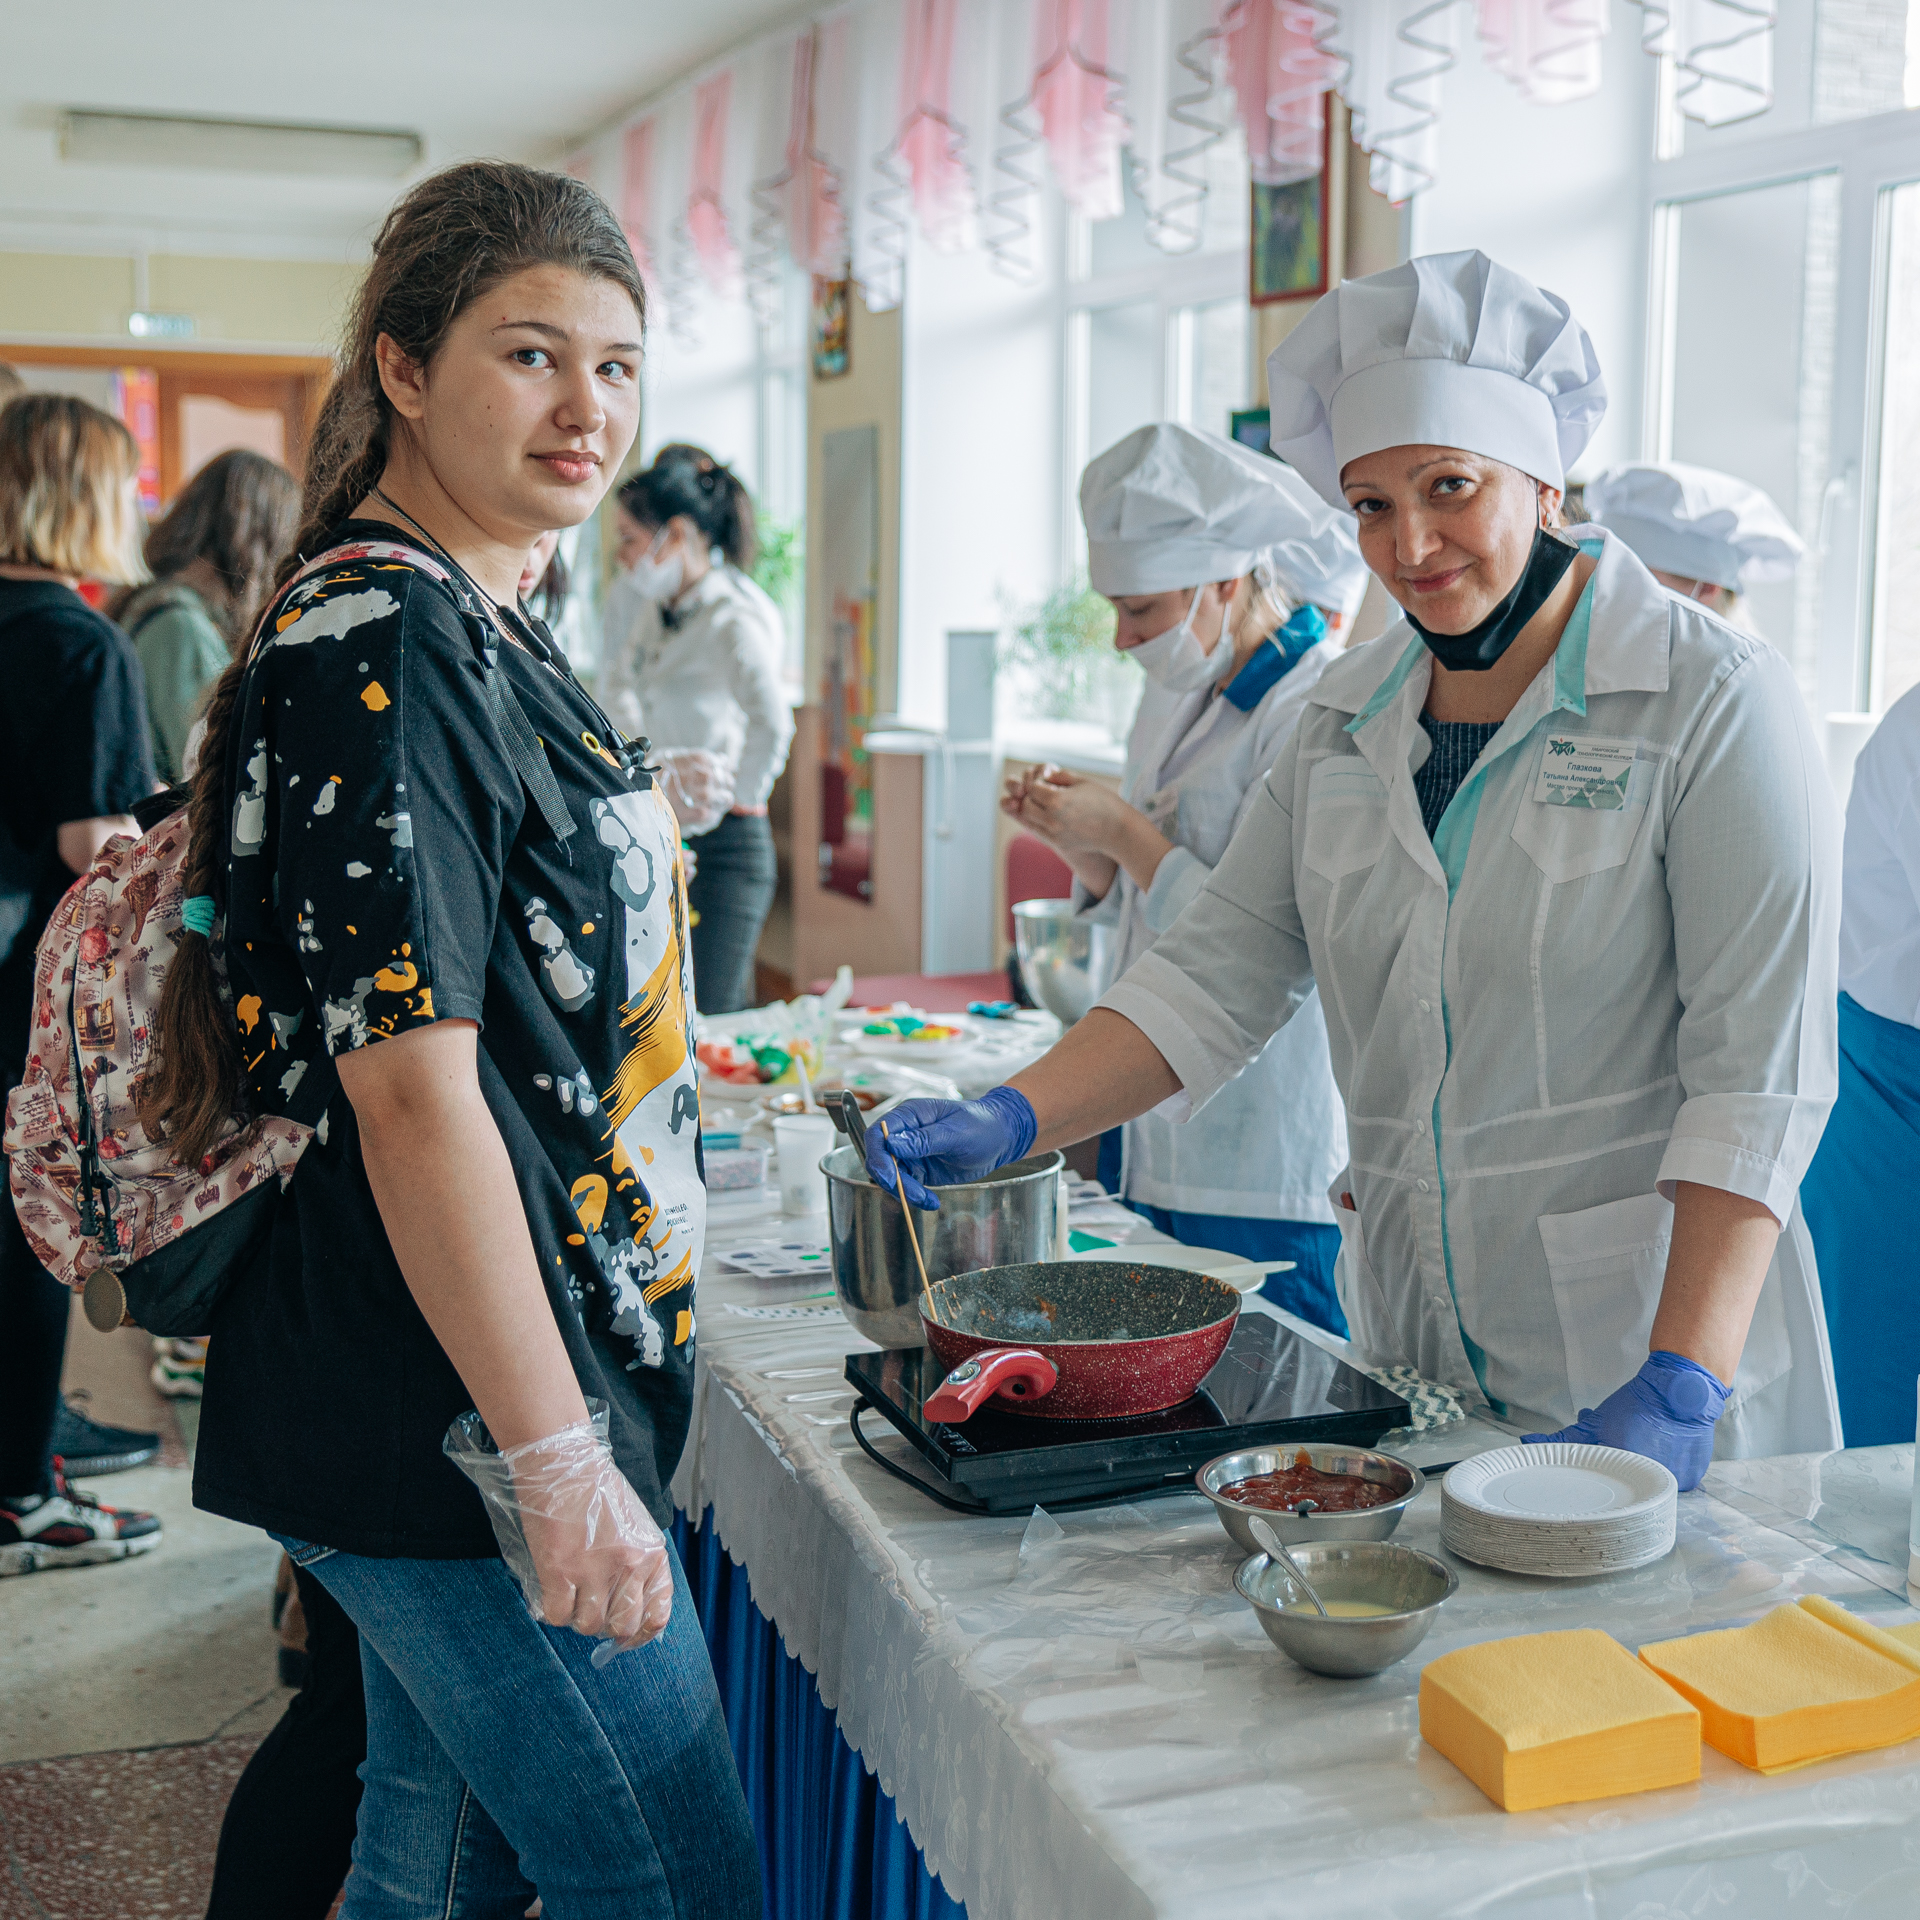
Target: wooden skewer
x: 919, y: 1260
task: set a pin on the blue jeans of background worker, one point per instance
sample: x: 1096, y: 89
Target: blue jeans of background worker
x: 1307, y: 1292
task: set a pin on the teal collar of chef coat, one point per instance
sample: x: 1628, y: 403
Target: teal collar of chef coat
x: 1628, y: 641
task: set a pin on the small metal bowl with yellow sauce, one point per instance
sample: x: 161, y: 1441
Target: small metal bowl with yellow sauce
x: 1381, y: 1598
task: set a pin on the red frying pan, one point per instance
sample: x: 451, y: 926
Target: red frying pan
x: 1074, y: 1340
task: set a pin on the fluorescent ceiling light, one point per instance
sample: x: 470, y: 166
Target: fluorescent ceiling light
x: 238, y: 146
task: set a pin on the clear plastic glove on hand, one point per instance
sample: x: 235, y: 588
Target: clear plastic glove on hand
x: 571, y: 1530
x: 698, y: 785
x: 1666, y: 1411
x: 944, y: 1142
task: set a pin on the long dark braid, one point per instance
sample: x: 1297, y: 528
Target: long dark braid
x: 451, y: 239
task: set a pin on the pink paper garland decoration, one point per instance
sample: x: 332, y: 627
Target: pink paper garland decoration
x: 707, y: 224
x: 928, y: 154
x: 1280, y: 78
x: 1076, y: 97
x: 1549, y: 49
x: 816, y: 221
x: 636, y: 199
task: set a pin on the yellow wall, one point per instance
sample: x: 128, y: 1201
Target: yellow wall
x: 290, y: 303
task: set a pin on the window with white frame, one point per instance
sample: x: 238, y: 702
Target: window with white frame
x: 733, y: 379
x: 1151, y: 335
x: 1785, y: 332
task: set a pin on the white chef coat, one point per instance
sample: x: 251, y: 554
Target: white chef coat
x: 1880, y: 888
x: 1267, y: 1146
x: 1546, y: 1015
x: 711, y: 680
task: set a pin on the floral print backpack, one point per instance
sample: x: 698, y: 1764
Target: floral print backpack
x: 104, y: 1207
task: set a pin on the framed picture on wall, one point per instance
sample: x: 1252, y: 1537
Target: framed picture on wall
x: 829, y: 331
x: 1287, y: 257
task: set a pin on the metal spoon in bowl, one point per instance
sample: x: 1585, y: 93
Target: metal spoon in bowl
x: 1277, y: 1550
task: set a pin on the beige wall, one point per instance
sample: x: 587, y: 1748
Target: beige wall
x: 812, y: 930
x: 295, y: 304
x: 1363, y: 236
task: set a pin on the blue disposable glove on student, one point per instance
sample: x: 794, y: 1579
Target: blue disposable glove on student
x: 1666, y: 1411
x: 943, y: 1142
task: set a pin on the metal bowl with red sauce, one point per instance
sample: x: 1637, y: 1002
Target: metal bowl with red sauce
x: 1357, y: 1494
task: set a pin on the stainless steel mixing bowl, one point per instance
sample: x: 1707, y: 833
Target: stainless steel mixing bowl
x: 1306, y: 1529
x: 1010, y: 1218
x: 1414, y: 1584
x: 1067, y: 964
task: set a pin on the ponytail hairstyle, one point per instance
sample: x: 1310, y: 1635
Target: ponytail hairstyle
x: 453, y: 238
x: 689, y: 481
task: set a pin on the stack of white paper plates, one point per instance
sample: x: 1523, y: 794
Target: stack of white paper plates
x: 1560, y: 1508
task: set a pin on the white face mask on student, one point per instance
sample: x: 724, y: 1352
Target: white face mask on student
x: 658, y: 580
x: 1178, y: 661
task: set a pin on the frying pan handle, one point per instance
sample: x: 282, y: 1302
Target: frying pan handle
x: 1014, y: 1373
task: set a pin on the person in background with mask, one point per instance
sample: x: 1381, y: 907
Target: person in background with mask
x: 1705, y: 535
x: 1862, y: 1193
x: 1558, y: 852
x: 1229, y: 665
x: 700, y: 667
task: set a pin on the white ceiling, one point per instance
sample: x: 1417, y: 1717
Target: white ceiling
x: 474, y: 77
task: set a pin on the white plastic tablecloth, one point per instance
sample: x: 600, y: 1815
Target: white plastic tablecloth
x: 1079, y: 1718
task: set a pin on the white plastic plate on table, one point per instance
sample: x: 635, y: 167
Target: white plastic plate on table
x: 1562, y: 1509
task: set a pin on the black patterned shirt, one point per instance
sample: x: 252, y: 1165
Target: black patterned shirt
x: 387, y: 869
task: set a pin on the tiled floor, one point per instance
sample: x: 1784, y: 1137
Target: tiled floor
x: 131, y: 1694
x: 115, y: 1836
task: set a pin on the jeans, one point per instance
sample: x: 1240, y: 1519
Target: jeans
x: 731, y: 891
x: 500, y: 1763
x: 288, y: 1833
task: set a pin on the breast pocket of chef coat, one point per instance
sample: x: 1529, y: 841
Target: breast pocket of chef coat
x: 1346, y: 817
x: 1571, y: 828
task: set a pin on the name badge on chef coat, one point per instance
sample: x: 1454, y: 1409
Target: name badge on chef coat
x: 1585, y: 770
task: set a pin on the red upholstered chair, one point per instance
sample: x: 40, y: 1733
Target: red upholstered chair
x: 1034, y: 872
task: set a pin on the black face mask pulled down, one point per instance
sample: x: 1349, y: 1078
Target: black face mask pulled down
x: 1480, y: 647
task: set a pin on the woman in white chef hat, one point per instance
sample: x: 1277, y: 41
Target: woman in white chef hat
x: 1558, y: 850
x: 1215, y: 558
x: 1702, y: 533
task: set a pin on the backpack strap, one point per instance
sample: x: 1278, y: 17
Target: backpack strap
x: 523, y: 745
x: 161, y: 600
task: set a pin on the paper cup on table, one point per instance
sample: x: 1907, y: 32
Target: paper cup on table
x: 802, y: 1141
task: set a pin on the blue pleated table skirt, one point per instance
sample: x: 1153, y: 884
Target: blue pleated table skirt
x: 831, y: 1845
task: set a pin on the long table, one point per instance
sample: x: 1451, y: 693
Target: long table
x: 1078, y: 1718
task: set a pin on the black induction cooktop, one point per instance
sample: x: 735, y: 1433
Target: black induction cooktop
x: 1268, y: 1388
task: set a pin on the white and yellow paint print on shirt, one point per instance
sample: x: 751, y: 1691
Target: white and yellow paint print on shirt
x: 653, y: 1104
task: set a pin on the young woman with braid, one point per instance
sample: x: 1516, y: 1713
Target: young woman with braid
x: 462, y: 962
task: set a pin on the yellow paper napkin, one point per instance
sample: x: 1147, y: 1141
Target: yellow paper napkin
x: 1794, y: 1687
x: 1553, y: 1717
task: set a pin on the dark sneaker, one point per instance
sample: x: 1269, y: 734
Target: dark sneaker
x: 69, y: 1529
x: 89, y: 1449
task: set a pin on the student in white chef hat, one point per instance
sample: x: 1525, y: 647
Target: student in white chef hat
x: 1557, y: 852
x: 1225, y: 571
x: 1704, y: 534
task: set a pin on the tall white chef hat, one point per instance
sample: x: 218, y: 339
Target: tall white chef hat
x: 1450, y: 350
x: 1697, y: 523
x: 1172, y: 506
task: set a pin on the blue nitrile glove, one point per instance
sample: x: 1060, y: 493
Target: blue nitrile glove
x: 948, y: 1141
x: 1666, y: 1411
